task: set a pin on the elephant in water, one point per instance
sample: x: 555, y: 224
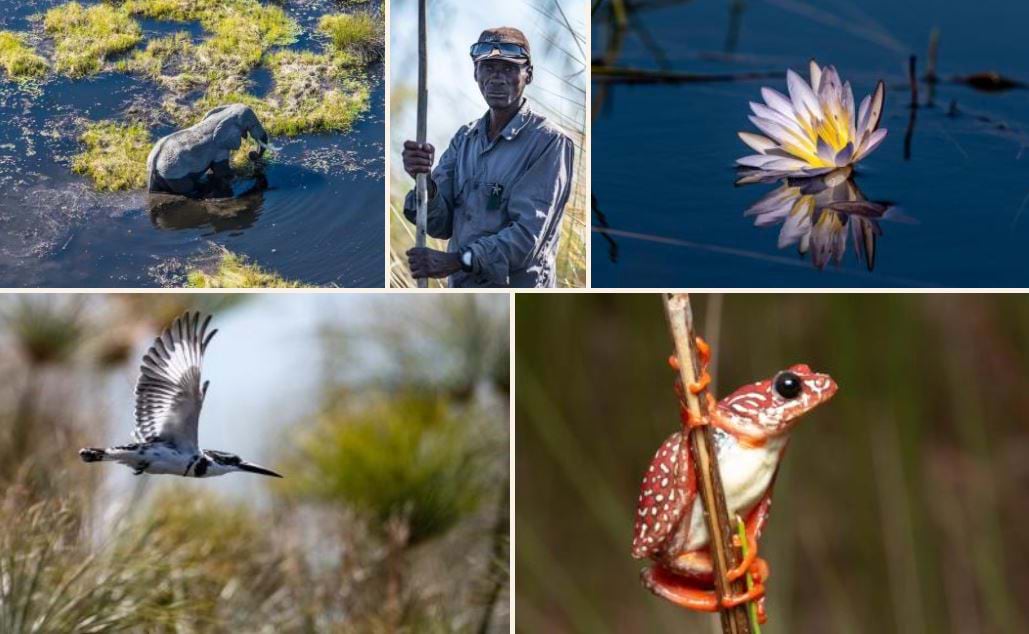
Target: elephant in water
x: 179, y: 162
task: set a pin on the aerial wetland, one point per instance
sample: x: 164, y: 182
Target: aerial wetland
x: 88, y: 90
x: 887, y: 143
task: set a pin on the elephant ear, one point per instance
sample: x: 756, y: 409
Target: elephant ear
x: 228, y: 133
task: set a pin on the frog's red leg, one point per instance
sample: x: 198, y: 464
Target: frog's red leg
x: 704, y: 352
x: 678, y: 590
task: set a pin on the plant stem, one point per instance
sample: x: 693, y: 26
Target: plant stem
x: 705, y: 461
x: 741, y: 530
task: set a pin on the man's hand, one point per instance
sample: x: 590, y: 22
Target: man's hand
x: 418, y: 158
x: 426, y: 262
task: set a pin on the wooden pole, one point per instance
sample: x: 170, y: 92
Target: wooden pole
x: 705, y: 460
x: 421, y: 182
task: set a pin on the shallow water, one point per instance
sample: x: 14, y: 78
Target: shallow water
x: 663, y: 175
x: 321, y: 220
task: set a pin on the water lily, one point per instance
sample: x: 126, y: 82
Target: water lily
x: 817, y: 215
x: 813, y: 131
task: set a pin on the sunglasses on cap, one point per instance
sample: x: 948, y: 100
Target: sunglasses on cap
x: 506, y: 49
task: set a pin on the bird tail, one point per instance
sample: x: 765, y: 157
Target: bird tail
x: 90, y: 454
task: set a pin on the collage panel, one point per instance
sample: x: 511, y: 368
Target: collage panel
x: 198, y: 144
x: 814, y: 144
x: 254, y: 463
x: 895, y: 509
x: 505, y: 99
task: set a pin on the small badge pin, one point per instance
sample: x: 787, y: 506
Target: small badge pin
x: 496, y: 192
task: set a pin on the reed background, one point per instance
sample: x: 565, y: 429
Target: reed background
x: 388, y: 417
x: 556, y: 30
x: 900, y: 505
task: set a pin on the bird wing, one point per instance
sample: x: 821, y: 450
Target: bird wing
x: 168, y: 393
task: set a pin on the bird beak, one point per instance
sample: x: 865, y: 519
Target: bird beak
x: 253, y: 468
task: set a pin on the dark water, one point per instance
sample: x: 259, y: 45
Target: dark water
x: 320, y: 221
x: 664, y: 153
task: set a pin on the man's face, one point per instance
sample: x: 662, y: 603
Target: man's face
x: 502, y: 82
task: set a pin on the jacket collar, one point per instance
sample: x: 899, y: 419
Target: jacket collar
x: 513, y: 127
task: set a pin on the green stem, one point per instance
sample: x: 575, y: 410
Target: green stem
x: 741, y: 530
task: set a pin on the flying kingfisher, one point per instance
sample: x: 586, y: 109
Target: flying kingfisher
x: 168, y: 401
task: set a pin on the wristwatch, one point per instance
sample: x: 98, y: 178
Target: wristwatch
x: 466, y: 260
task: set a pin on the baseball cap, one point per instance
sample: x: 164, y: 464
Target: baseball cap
x: 504, y: 42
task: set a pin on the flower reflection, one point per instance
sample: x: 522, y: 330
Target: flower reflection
x: 818, y: 215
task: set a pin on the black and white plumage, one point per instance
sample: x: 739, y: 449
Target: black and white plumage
x: 169, y: 397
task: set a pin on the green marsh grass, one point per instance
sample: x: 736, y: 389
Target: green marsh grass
x: 114, y: 156
x: 18, y: 59
x: 235, y: 271
x: 85, y: 37
x: 311, y: 92
x: 238, y: 34
x: 53, y: 582
x: 360, y: 33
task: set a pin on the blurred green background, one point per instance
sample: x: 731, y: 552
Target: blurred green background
x: 388, y: 416
x: 900, y: 506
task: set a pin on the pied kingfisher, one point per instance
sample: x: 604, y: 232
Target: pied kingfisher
x: 168, y: 401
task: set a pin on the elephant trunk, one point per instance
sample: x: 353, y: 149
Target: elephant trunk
x: 258, y: 134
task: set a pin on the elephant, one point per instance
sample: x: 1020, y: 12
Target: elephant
x: 178, y: 163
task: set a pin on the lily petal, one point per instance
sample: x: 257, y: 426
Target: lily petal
x: 862, y: 118
x: 829, y: 90
x: 816, y: 75
x: 760, y: 144
x: 814, y: 171
x: 875, y: 111
x: 844, y: 156
x: 825, y: 152
x: 757, y: 160
x: 789, y: 123
x: 785, y: 164
x: 778, y: 102
x: 779, y: 134
x: 848, y: 107
x: 804, y: 100
x: 871, y: 143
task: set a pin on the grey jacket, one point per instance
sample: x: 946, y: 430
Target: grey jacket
x: 504, y: 200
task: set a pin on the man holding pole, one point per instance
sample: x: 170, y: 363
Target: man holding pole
x: 499, y: 190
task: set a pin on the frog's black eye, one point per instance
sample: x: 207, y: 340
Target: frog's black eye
x: 787, y: 385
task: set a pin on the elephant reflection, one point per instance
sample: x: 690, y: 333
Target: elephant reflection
x: 180, y: 162
x: 231, y: 213
x: 817, y: 214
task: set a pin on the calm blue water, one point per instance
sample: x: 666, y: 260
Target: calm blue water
x: 321, y: 220
x: 663, y: 153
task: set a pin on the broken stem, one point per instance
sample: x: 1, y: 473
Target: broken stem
x: 705, y: 461
x: 913, y: 80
